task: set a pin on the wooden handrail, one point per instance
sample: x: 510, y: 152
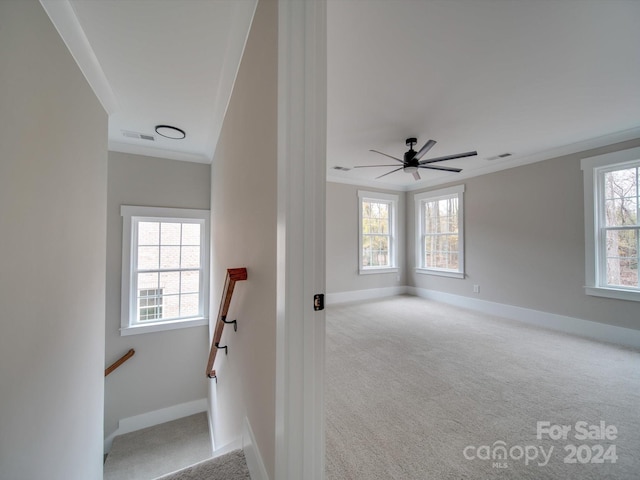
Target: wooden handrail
x: 119, y: 362
x: 233, y: 275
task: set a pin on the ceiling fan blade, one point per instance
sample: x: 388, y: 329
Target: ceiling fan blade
x: 448, y: 157
x: 425, y: 148
x: 397, y: 159
x: 389, y: 173
x: 444, y: 169
x: 369, y: 166
x: 416, y: 175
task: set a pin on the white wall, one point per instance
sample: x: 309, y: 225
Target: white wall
x: 53, y: 171
x: 168, y: 367
x: 524, y: 241
x: 342, y: 242
x: 244, y: 226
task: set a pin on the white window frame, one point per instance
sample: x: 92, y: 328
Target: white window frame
x: 420, y: 200
x: 593, y: 169
x: 392, y: 201
x: 132, y: 215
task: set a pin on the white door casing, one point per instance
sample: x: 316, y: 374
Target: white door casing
x: 302, y: 105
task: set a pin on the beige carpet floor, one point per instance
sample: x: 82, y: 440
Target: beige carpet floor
x: 421, y: 390
x: 151, y: 452
x: 231, y: 466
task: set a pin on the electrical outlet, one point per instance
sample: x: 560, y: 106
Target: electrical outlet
x: 476, y: 289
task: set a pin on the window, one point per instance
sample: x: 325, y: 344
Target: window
x: 612, y: 224
x: 165, y: 271
x: 378, y: 232
x: 150, y: 302
x: 439, y: 229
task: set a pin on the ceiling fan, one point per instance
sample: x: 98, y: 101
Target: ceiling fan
x: 412, y: 162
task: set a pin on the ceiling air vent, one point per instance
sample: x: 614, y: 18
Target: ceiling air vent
x: 139, y: 136
x: 344, y: 169
x: 496, y: 157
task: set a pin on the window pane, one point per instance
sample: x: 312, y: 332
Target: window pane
x: 453, y: 261
x: 621, y: 183
x: 383, y: 210
x: 148, y: 258
x: 190, y: 282
x: 190, y: 257
x: 371, y: 226
x: 621, y: 211
x: 379, y: 251
x: 191, y: 234
x: 147, y: 281
x: 453, y: 243
x: 170, y: 233
x: 171, y: 306
x: 170, y: 282
x: 622, y: 258
x: 148, y: 233
x: 169, y: 257
x: 189, y: 305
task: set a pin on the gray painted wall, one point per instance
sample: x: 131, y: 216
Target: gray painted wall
x: 244, y: 227
x: 168, y: 367
x: 524, y: 239
x: 53, y: 174
x: 342, y: 242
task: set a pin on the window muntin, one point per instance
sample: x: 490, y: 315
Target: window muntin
x: 165, y: 268
x: 377, y: 228
x: 439, y: 240
x: 612, y: 227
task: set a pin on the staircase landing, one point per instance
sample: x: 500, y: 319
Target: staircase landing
x: 155, y: 451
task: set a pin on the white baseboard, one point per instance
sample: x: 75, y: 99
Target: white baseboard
x: 256, y: 466
x: 156, y: 417
x: 368, y: 294
x: 229, y: 447
x: 562, y: 323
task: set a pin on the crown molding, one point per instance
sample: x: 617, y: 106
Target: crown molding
x: 66, y: 22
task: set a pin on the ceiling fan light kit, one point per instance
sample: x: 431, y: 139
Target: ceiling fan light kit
x: 412, y: 160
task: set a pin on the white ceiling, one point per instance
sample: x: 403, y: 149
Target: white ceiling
x: 532, y: 78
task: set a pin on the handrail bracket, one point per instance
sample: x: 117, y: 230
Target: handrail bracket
x: 227, y: 322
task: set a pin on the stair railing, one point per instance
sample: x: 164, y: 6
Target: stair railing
x: 119, y: 362
x: 233, y: 275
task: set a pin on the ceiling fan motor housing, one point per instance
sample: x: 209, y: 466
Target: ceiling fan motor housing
x: 410, y: 165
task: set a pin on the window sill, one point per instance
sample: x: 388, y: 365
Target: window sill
x: 616, y: 293
x: 160, y: 327
x: 374, y: 270
x: 440, y: 273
